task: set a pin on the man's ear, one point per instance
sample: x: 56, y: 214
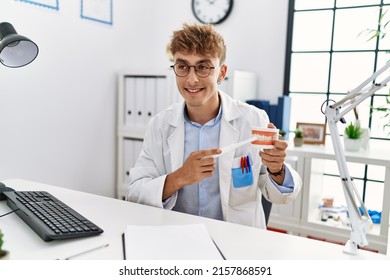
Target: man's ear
x: 222, y: 72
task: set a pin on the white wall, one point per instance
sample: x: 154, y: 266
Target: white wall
x: 58, y: 114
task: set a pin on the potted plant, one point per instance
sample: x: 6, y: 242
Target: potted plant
x: 298, y: 139
x: 353, y: 137
x: 4, y: 254
x: 282, y: 134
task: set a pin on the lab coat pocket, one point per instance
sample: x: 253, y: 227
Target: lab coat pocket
x: 242, y: 176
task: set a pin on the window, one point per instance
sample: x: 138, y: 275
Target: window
x: 328, y: 54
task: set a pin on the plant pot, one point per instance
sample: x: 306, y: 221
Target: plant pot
x: 298, y: 142
x: 4, y: 255
x: 365, y: 138
x: 352, y: 144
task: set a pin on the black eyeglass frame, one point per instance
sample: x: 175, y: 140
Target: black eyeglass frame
x: 189, y: 69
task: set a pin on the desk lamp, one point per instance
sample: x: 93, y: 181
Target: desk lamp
x: 15, y: 50
x: 360, y: 223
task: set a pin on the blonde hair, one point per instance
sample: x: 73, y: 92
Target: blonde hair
x: 198, y: 39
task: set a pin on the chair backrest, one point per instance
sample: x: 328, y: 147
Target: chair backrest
x: 267, y: 208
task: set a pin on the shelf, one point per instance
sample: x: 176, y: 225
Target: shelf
x: 132, y: 132
x: 312, y: 161
x: 140, y: 97
x: 315, y: 219
x: 376, y: 154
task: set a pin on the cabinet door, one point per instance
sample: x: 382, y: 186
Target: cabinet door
x: 131, y: 151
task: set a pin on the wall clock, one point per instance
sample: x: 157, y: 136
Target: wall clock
x: 212, y: 11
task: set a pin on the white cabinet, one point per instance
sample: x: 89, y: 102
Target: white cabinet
x: 140, y: 97
x: 313, y: 164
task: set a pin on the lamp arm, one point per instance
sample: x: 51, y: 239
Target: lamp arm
x: 360, y: 224
x: 351, y: 101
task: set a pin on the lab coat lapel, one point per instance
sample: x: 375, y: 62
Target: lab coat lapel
x: 228, y: 135
x: 176, y: 139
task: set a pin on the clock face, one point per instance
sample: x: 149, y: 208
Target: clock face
x: 212, y: 11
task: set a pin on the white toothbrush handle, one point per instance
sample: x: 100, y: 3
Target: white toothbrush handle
x: 234, y: 146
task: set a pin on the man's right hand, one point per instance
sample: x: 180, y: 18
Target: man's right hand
x: 195, y: 168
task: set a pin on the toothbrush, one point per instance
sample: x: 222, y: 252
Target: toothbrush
x: 232, y: 147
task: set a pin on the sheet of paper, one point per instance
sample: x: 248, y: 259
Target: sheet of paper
x: 170, y: 242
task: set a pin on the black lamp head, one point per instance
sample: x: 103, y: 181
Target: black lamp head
x: 15, y: 50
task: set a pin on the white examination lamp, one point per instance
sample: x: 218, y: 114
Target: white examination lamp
x: 15, y: 50
x: 360, y: 224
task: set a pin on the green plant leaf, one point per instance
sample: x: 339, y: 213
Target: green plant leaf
x: 353, y: 131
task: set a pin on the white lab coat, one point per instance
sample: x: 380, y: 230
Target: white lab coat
x: 163, y: 150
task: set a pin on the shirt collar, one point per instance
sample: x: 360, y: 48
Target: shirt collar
x: 209, y: 123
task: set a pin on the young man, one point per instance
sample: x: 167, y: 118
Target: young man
x: 174, y: 171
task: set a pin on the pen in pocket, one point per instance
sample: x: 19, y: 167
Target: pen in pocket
x: 245, y: 165
x: 248, y: 162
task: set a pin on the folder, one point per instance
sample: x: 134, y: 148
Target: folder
x: 131, y: 151
x: 261, y: 104
x: 283, y: 113
x: 129, y: 95
x: 128, y: 159
x: 139, y: 100
x: 169, y: 242
x: 272, y: 114
x: 150, y: 99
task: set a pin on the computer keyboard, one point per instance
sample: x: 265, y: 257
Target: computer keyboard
x: 49, y: 217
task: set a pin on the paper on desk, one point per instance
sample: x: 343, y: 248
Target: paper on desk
x: 170, y: 242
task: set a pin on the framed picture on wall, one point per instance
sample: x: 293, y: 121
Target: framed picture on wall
x: 313, y: 133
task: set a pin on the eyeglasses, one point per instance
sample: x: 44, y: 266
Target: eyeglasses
x: 201, y: 70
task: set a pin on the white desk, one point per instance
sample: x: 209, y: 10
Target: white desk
x: 112, y: 215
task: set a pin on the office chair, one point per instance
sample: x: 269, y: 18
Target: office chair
x: 267, y: 208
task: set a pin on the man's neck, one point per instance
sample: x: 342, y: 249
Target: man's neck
x: 206, y: 112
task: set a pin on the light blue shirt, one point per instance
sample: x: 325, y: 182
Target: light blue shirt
x: 203, y: 199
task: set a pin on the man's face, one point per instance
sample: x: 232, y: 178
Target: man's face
x: 195, y: 90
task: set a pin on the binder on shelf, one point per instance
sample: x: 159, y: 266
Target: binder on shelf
x: 150, y: 99
x: 131, y: 151
x: 273, y: 109
x: 129, y: 95
x: 262, y: 104
x: 128, y: 159
x: 283, y: 113
x: 139, y: 101
x: 278, y: 114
